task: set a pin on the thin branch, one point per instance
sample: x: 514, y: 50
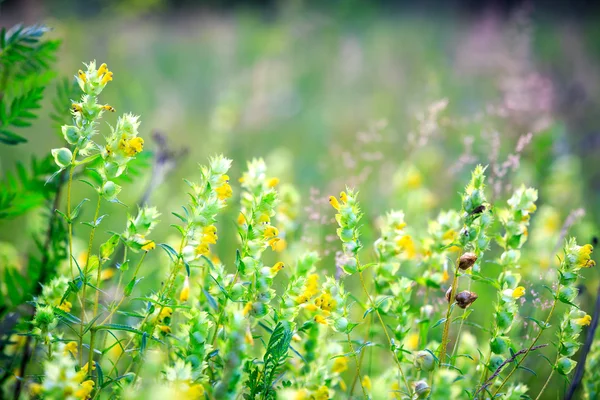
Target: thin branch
x: 507, y: 361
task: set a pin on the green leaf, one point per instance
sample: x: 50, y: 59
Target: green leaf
x: 108, y: 247
x: 440, y: 321
x: 77, y: 209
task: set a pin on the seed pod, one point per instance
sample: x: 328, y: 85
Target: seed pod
x: 466, y: 261
x: 448, y: 294
x: 424, y: 361
x: 422, y: 389
x: 465, y: 298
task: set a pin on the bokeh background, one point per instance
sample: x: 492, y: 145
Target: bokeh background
x: 398, y: 100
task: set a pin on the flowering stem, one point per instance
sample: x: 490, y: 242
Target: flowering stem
x: 453, y: 289
x: 462, y: 321
x: 85, y: 271
x: 222, y: 311
x: 530, y: 347
x: 358, y: 373
x: 547, y: 380
x: 69, y: 222
x: 362, y: 281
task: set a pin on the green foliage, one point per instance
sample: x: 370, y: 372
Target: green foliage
x: 25, y: 70
x: 260, y: 380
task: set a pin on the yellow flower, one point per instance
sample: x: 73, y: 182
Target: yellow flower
x: 107, y: 274
x: 76, y: 107
x: 583, y: 321
x: 412, y: 341
x: 248, y: 337
x: 322, y: 393
x: 280, y: 245
x: 273, y: 182
x: 340, y: 364
x: 185, y: 291
x: 136, y: 145
x: 82, y: 75
x: 202, y: 249
x: 273, y: 243
x: 71, y: 347
x: 108, y: 108
x: 584, y: 256
x: 319, y: 319
x: 86, y: 368
x: 164, y: 329
x: 344, y: 197
x: 407, y: 244
x: 270, y: 232
x: 35, y: 389
x: 195, y: 391
x: 149, y: 246
x: 334, y: 203
x: 108, y: 76
x: 311, y: 307
x: 325, y: 302
x: 86, y: 390
x: 247, y: 308
x: 209, y: 238
x: 445, y: 276
x: 210, y: 229
x: 224, y: 191
x: 264, y: 218
x: 366, y: 382
x: 65, y: 306
x: 301, y: 394
x: 166, y: 313
x: 241, y: 220
x: 518, y: 292
x: 103, y: 68
x: 277, y: 267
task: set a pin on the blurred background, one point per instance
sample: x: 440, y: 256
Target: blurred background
x: 398, y: 100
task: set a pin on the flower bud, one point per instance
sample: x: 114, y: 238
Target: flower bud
x: 465, y: 298
x: 466, y: 261
x: 110, y: 190
x: 565, y: 365
x: 70, y: 133
x: 422, y: 389
x: 62, y: 157
x: 448, y: 294
x: 498, y: 345
x: 350, y: 266
x: 424, y: 361
x: 340, y: 324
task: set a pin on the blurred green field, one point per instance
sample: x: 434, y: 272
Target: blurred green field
x: 400, y: 106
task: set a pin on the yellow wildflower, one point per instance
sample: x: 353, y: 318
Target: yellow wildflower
x: 270, y: 232
x: 273, y: 182
x: 165, y: 313
x: 76, y: 107
x: 301, y: 394
x: 311, y: 307
x: 412, y: 341
x: 185, y: 291
x: 584, y: 256
x: 264, y: 218
x: 280, y: 245
x: 408, y: 245
x: 273, y: 243
x: 366, y: 382
x: 248, y: 337
x: 319, y: 319
x: 241, y: 220
x: 108, y: 76
x: 277, y: 267
x: 103, y: 68
x: 224, y: 191
x: 340, y: 365
x: 108, y: 108
x: 344, y: 197
x: 210, y: 229
x: 334, y: 203
x: 65, y: 306
x: 35, y: 389
x: 202, y: 249
x: 164, y: 329
x: 322, y: 393
x: 247, y: 308
x: 445, y: 275
x: 149, y: 246
x: 583, y: 321
x: 325, y: 302
x: 86, y: 390
x: 71, y: 347
x: 195, y: 391
x: 82, y: 75
x: 107, y: 274
x: 518, y: 292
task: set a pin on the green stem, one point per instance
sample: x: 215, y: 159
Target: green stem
x: 547, y: 381
x: 69, y: 222
x: 530, y: 347
x: 85, y: 271
x: 453, y: 290
x: 358, y: 373
x: 389, y: 340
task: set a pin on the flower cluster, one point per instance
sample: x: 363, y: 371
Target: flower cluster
x: 348, y: 218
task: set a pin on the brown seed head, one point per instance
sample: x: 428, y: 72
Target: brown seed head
x: 465, y: 298
x: 466, y: 261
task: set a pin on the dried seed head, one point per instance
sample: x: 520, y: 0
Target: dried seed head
x: 422, y: 389
x: 448, y: 294
x: 466, y: 261
x: 465, y: 298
